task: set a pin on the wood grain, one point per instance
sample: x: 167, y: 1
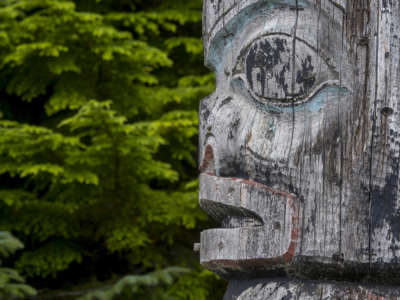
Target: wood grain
x: 299, y: 144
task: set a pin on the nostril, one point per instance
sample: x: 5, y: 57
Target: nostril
x: 208, y: 164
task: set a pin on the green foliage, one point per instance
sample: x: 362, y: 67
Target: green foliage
x: 49, y: 259
x: 98, y: 138
x: 8, y: 244
x: 139, y: 286
x: 11, y: 283
x: 198, y: 285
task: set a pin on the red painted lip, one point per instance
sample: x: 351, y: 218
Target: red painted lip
x: 228, y: 207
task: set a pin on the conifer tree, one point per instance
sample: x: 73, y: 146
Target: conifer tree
x: 98, y: 127
x: 12, y: 285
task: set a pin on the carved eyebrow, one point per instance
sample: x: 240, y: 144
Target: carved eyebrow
x: 221, y: 33
x: 217, y: 38
x: 341, y: 4
x: 215, y: 14
x: 229, y: 20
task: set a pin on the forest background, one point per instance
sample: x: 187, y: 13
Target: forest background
x: 98, y: 149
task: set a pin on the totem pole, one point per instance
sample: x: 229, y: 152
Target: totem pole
x: 300, y: 148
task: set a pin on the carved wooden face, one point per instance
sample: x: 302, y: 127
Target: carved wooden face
x: 298, y: 148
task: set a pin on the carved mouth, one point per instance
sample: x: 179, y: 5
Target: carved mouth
x: 221, y: 199
x: 230, y: 201
x: 236, y: 202
x: 229, y: 216
x: 259, y: 225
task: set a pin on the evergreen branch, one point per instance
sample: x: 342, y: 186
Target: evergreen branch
x: 134, y: 282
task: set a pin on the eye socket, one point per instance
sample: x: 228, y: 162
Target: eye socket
x: 265, y: 66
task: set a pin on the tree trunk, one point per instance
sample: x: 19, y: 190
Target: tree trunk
x: 299, y: 147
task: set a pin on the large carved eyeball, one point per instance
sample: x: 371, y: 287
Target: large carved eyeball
x: 280, y: 71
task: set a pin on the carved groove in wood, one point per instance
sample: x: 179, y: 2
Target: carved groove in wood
x: 299, y: 147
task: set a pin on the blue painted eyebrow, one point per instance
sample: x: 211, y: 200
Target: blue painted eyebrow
x: 289, y: 2
x: 226, y: 34
x: 224, y: 37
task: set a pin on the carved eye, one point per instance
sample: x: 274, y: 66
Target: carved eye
x: 266, y: 68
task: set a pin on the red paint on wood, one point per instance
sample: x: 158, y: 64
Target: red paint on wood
x: 375, y: 297
x: 208, y: 164
x: 294, y: 233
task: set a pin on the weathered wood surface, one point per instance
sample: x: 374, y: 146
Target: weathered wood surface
x: 251, y: 213
x: 285, y: 289
x: 299, y: 144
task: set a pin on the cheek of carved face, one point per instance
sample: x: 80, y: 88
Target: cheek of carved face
x: 252, y: 141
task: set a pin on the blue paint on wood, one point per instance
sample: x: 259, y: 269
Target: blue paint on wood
x: 222, y: 41
x: 328, y: 94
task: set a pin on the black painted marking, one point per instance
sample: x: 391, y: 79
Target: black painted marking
x: 268, y: 69
x: 266, y: 56
x: 383, y: 204
x: 305, y: 75
x: 216, y: 4
x: 225, y: 102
